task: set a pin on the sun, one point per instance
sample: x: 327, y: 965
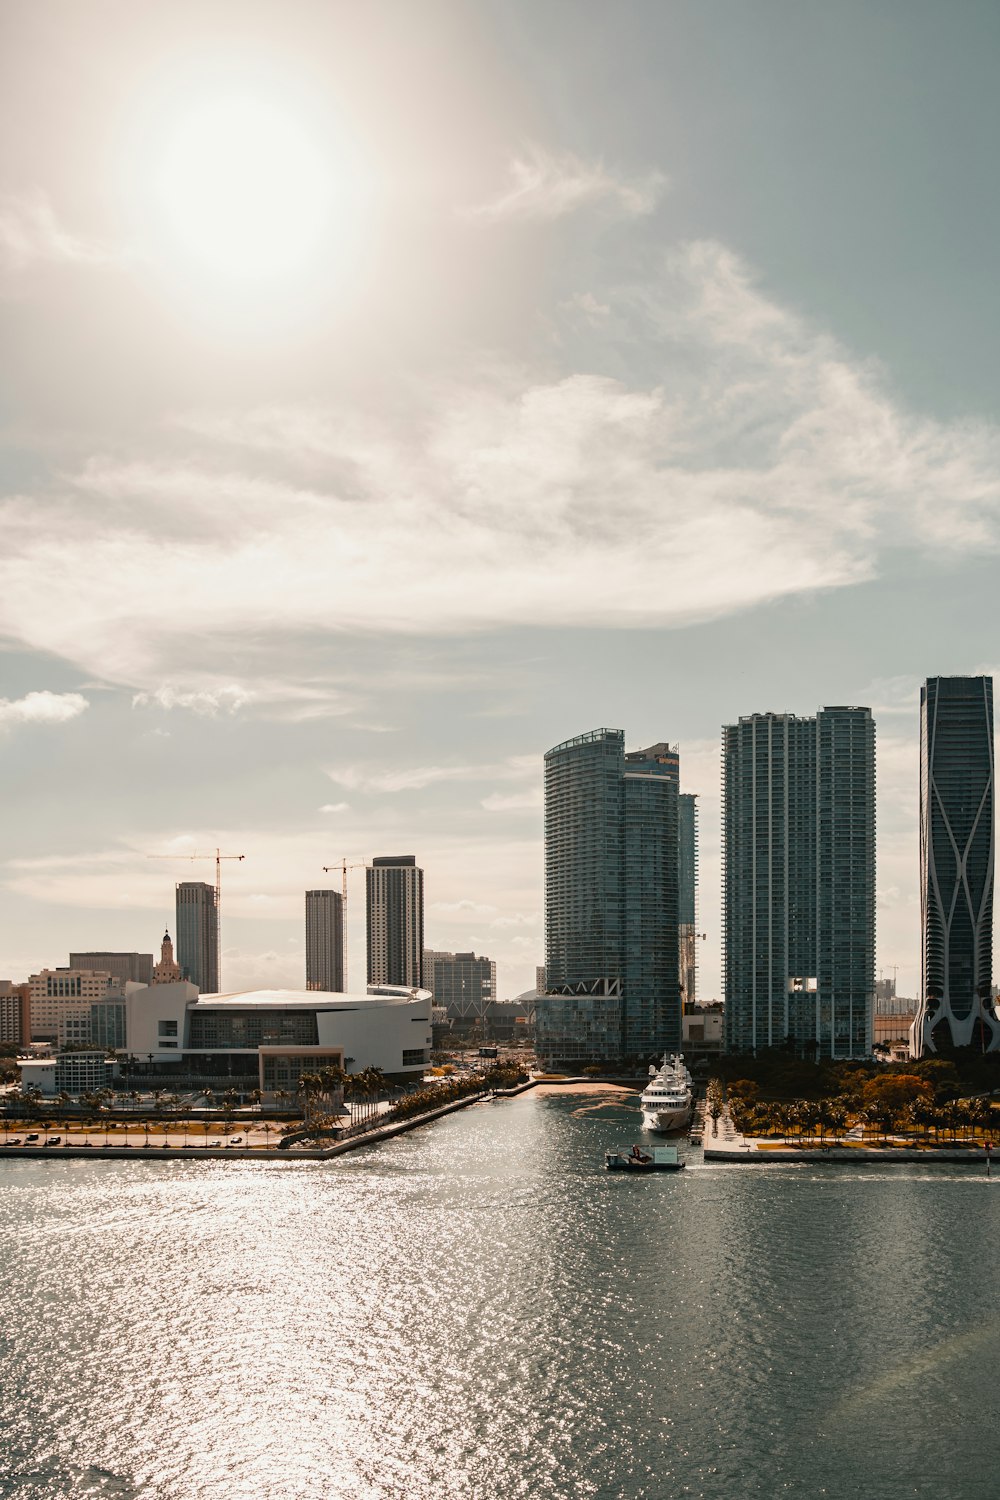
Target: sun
x: 246, y: 192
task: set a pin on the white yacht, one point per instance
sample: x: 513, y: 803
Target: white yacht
x: 669, y: 1096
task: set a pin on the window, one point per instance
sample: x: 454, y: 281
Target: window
x: 168, y: 1028
x: 414, y: 1057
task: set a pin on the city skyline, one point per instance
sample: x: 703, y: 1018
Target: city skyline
x: 570, y: 415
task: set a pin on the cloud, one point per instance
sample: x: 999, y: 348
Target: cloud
x: 42, y: 708
x: 281, y: 700
x: 514, y: 802
x: 416, y: 778
x: 548, y: 185
x: 228, y: 699
x: 30, y: 233
x: 745, y: 458
x: 335, y: 807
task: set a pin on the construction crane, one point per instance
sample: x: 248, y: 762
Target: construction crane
x: 218, y: 856
x: 343, y: 867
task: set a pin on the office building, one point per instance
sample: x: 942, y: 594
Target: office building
x: 799, y: 882
x: 611, y: 902
x: 324, y: 940
x: 687, y: 896
x: 395, y: 890
x: 136, y: 968
x: 956, y: 866
x: 198, y: 935
x: 60, y: 1001
x: 463, y: 983
x: 15, y: 1013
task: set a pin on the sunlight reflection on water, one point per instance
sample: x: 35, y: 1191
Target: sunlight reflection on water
x: 479, y: 1310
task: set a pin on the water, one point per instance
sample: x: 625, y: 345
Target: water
x: 479, y: 1310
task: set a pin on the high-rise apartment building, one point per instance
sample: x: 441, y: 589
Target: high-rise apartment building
x: 395, y: 889
x: 324, y: 941
x: 611, y: 871
x: 198, y: 935
x: 462, y: 982
x: 15, y: 1012
x: 687, y: 895
x: 134, y: 967
x: 799, y: 882
x: 956, y: 866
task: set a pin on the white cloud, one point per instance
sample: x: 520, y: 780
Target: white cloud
x: 754, y: 460
x: 416, y: 778
x: 291, y: 702
x: 335, y: 807
x: 228, y: 699
x: 31, y: 233
x: 42, y: 708
x: 514, y: 802
x: 548, y: 185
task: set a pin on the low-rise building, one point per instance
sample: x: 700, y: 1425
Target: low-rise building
x: 173, y: 1030
x: 73, y: 1073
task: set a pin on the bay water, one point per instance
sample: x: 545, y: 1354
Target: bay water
x: 478, y: 1309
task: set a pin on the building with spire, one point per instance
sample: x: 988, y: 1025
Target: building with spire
x: 166, y: 971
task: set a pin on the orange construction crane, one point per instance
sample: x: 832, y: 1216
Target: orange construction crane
x: 218, y: 856
x: 343, y: 867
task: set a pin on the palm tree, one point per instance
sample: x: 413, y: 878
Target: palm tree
x: 266, y: 1127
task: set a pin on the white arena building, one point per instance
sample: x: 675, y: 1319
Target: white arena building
x: 276, y: 1034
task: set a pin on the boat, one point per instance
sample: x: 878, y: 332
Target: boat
x: 668, y: 1099
x: 656, y: 1159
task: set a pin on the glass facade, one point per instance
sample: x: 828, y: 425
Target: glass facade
x: 212, y: 1030
x: 107, y: 1025
x: 799, y: 882
x: 611, y: 881
x: 956, y: 864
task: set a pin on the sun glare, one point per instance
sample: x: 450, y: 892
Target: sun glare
x: 246, y: 192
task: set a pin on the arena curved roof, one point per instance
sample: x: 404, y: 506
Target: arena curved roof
x: 378, y: 995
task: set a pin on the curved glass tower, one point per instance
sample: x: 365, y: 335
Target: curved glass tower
x: 956, y: 866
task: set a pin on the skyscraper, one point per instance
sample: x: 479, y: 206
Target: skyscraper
x: 611, y: 872
x: 956, y: 865
x: 198, y: 935
x: 687, y: 895
x: 324, y: 941
x: 799, y: 882
x: 395, y: 888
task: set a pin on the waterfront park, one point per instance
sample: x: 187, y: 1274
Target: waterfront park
x: 327, y: 1107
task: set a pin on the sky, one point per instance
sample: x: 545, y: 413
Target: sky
x: 391, y: 392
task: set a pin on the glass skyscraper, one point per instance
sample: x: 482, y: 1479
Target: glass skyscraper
x: 687, y: 895
x: 198, y: 935
x: 956, y: 865
x: 611, y: 877
x: 799, y: 882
